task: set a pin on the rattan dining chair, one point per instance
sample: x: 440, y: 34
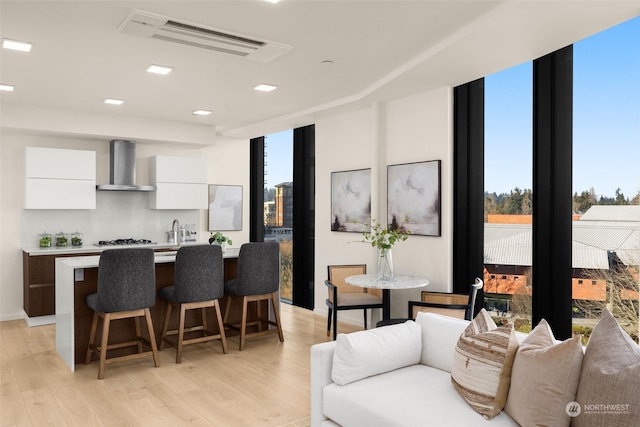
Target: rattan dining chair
x: 453, y: 305
x: 346, y: 297
x: 198, y: 284
x: 126, y: 289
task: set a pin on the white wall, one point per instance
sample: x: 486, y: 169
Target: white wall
x: 118, y: 214
x: 412, y: 129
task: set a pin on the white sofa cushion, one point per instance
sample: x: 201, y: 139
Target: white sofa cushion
x: 439, y: 338
x: 365, y: 353
x: 544, y: 378
x: 414, y: 396
x: 482, y: 364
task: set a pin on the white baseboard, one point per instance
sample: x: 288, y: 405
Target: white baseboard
x: 10, y: 317
x: 40, y: 320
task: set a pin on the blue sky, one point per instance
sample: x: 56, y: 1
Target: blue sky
x: 279, y: 158
x: 606, y: 134
x: 606, y: 123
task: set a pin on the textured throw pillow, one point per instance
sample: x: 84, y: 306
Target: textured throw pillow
x: 362, y: 354
x: 609, y: 389
x: 544, y: 378
x: 482, y: 364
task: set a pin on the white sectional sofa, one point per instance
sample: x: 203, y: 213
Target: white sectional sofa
x: 416, y: 394
x: 400, y: 375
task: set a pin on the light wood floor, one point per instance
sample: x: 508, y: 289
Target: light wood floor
x: 267, y: 384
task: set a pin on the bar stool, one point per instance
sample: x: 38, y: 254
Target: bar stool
x: 258, y: 280
x: 198, y: 284
x: 126, y: 289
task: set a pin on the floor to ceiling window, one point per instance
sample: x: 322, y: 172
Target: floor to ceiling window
x: 278, y: 203
x: 508, y: 198
x: 276, y: 162
x: 584, y: 130
x: 606, y: 177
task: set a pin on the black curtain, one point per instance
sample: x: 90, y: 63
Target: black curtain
x: 552, y: 172
x: 303, y: 216
x: 256, y: 189
x: 468, y: 187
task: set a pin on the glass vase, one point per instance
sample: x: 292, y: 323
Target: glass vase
x: 385, y: 265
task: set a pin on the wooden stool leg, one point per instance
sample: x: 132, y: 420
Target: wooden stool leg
x: 276, y: 312
x: 165, y: 327
x: 204, y: 320
x: 243, y: 326
x: 106, y: 322
x: 259, y: 314
x: 92, y: 337
x: 223, y: 336
x: 136, y: 321
x: 180, y: 334
x: 227, y: 309
x: 152, y: 338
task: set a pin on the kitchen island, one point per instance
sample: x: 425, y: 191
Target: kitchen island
x: 39, y: 275
x: 77, y: 277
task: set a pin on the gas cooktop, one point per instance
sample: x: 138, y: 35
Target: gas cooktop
x: 121, y: 242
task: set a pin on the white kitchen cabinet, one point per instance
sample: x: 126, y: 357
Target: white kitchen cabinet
x: 59, y: 179
x: 181, y: 183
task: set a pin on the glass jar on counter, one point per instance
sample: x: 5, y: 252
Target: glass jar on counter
x: 76, y: 239
x: 44, y: 240
x: 61, y: 240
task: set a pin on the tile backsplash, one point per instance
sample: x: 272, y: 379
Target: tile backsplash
x: 118, y: 215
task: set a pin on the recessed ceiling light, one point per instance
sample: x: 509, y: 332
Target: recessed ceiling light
x: 201, y: 112
x: 113, y: 101
x: 159, y: 69
x: 16, y: 45
x: 263, y: 87
x: 273, y: 1
x: 7, y: 88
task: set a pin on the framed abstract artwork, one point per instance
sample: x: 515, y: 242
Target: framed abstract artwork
x: 225, y: 207
x: 413, y: 197
x: 350, y: 200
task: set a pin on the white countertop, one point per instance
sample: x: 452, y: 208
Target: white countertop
x: 92, y: 261
x: 34, y: 251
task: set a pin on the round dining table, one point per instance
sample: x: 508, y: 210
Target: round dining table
x: 399, y: 281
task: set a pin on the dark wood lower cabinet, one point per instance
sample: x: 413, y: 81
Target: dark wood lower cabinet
x: 38, y: 276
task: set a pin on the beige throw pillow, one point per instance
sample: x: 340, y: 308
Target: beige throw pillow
x: 609, y: 389
x: 544, y: 378
x: 482, y: 364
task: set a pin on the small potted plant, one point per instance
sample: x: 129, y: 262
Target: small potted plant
x: 219, y: 239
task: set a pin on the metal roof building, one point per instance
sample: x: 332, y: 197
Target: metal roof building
x: 600, y: 230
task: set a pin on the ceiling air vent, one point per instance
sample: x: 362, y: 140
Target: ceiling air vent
x: 145, y: 24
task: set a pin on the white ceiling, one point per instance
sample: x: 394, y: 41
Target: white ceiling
x: 381, y: 50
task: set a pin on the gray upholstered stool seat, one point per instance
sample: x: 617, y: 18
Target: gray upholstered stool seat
x: 126, y: 289
x: 198, y: 284
x: 258, y: 280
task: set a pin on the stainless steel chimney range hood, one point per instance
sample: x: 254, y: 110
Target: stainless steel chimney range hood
x: 122, y: 168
